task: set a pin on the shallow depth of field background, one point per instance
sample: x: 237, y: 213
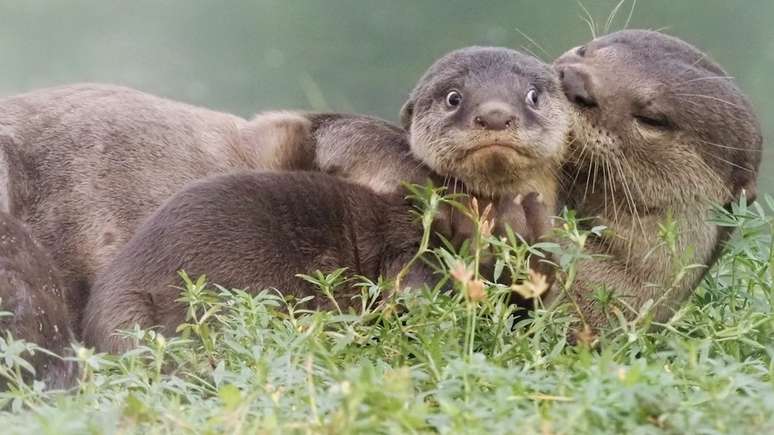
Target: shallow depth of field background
x: 344, y: 55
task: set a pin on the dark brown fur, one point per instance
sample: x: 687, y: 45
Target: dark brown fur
x: 86, y: 163
x: 31, y: 290
x: 250, y: 230
x: 659, y: 129
x: 83, y: 165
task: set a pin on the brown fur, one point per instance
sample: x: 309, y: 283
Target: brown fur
x: 659, y: 129
x: 86, y: 163
x: 83, y: 165
x: 523, y: 157
x: 251, y: 230
x: 31, y: 290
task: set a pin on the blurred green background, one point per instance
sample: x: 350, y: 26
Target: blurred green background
x: 344, y: 55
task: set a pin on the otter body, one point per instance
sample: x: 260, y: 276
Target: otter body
x: 660, y: 131
x: 252, y: 230
x: 30, y: 289
x: 501, y: 131
x: 86, y: 163
x: 83, y: 165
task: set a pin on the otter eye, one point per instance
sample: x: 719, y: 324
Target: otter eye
x: 532, y: 97
x: 656, y: 121
x: 453, y: 99
x: 581, y: 51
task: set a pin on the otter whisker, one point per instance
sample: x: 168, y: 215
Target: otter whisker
x: 589, y: 19
x: 702, y: 57
x: 633, y: 176
x: 706, y: 78
x: 574, y: 181
x: 710, y: 97
x: 724, y: 191
x: 532, y: 53
x: 630, y: 197
x: 632, y: 212
x: 594, y: 180
x: 721, y: 146
x: 604, y: 184
x: 731, y: 163
x: 609, y: 180
x: 533, y: 42
x: 588, y: 177
x: 559, y: 176
x: 569, y: 142
x: 578, y: 167
x: 612, y: 15
x: 631, y: 13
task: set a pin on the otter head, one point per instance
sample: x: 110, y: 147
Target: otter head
x: 660, y: 122
x: 490, y: 117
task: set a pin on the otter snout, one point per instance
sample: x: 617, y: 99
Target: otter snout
x: 494, y: 115
x: 576, y: 85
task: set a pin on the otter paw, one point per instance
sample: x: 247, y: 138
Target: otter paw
x: 536, y: 216
x: 527, y: 215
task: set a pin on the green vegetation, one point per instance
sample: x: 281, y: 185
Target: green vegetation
x: 450, y: 362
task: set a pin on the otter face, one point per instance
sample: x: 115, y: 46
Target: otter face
x: 663, y: 123
x: 491, y: 117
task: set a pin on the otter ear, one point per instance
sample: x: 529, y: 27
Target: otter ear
x: 406, y: 113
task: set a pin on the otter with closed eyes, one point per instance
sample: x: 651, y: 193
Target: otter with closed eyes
x: 660, y: 132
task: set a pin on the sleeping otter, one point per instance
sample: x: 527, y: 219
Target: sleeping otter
x: 659, y: 130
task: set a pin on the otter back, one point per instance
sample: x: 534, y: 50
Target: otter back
x: 250, y: 230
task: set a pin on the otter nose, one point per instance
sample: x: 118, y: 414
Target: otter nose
x: 494, y: 116
x: 575, y: 84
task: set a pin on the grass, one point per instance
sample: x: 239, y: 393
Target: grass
x: 450, y: 362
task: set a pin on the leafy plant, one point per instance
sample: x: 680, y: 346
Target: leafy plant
x: 458, y: 359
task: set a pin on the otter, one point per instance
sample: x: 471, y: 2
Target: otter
x: 85, y: 164
x: 255, y: 230
x: 491, y: 117
x: 31, y: 289
x: 660, y: 131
